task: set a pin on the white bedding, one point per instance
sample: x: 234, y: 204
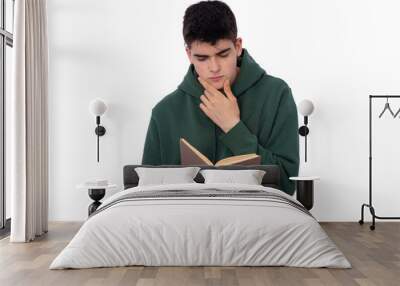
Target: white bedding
x: 200, y: 231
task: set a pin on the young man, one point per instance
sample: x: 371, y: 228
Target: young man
x: 226, y: 104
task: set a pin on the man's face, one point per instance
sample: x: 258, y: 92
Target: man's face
x: 215, y: 63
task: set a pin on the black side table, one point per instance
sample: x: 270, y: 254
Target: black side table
x: 96, y: 193
x: 305, y: 190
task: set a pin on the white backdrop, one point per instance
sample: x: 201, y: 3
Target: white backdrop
x: 131, y: 54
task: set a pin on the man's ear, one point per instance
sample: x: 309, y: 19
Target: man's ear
x: 188, y: 53
x: 238, y: 46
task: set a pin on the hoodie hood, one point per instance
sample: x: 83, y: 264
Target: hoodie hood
x: 250, y: 72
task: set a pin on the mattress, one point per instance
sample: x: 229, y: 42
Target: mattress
x: 201, y: 225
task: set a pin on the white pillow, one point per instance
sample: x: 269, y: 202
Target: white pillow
x: 249, y: 177
x: 162, y: 176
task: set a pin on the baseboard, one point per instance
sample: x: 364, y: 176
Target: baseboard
x: 5, y: 231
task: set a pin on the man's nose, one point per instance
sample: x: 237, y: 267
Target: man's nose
x: 213, y: 65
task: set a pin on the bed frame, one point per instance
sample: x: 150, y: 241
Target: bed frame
x: 270, y: 179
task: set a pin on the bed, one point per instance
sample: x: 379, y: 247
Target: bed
x: 201, y: 224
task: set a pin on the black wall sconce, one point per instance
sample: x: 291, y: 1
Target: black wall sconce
x: 97, y: 107
x: 306, y: 107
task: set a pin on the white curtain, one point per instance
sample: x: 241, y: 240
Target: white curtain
x: 29, y: 122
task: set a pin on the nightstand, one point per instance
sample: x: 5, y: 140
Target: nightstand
x: 305, y: 190
x: 96, y: 193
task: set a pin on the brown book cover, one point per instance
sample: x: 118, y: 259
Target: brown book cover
x: 191, y: 156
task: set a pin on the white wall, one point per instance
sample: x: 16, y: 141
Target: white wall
x: 130, y: 53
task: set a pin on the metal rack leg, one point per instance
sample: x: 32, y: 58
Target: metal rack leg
x: 372, y: 210
x: 361, y: 221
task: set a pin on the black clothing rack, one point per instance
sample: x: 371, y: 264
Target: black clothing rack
x: 370, y: 206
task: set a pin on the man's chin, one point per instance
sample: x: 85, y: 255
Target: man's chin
x: 219, y: 86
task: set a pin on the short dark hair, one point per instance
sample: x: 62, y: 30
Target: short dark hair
x: 209, y: 21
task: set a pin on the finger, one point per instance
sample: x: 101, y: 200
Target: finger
x: 205, y: 100
x: 209, y: 95
x: 227, y: 86
x: 205, y: 109
x: 228, y: 90
x: 207, y: 86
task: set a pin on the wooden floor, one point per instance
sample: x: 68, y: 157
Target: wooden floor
x: 374, y: 255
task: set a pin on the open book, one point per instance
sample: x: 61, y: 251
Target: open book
x: 191, y: 156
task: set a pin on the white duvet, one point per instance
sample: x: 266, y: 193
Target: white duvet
x: 200, y: 231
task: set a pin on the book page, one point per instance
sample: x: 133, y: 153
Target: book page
x: 246, y: 159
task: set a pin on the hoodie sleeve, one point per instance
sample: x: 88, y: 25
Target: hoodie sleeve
x: 152, y: 152
x: 282, y: 144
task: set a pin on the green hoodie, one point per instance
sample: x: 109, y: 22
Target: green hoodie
x: 268, y: 123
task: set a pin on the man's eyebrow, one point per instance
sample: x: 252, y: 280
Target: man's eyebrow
x: 205, y: 56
